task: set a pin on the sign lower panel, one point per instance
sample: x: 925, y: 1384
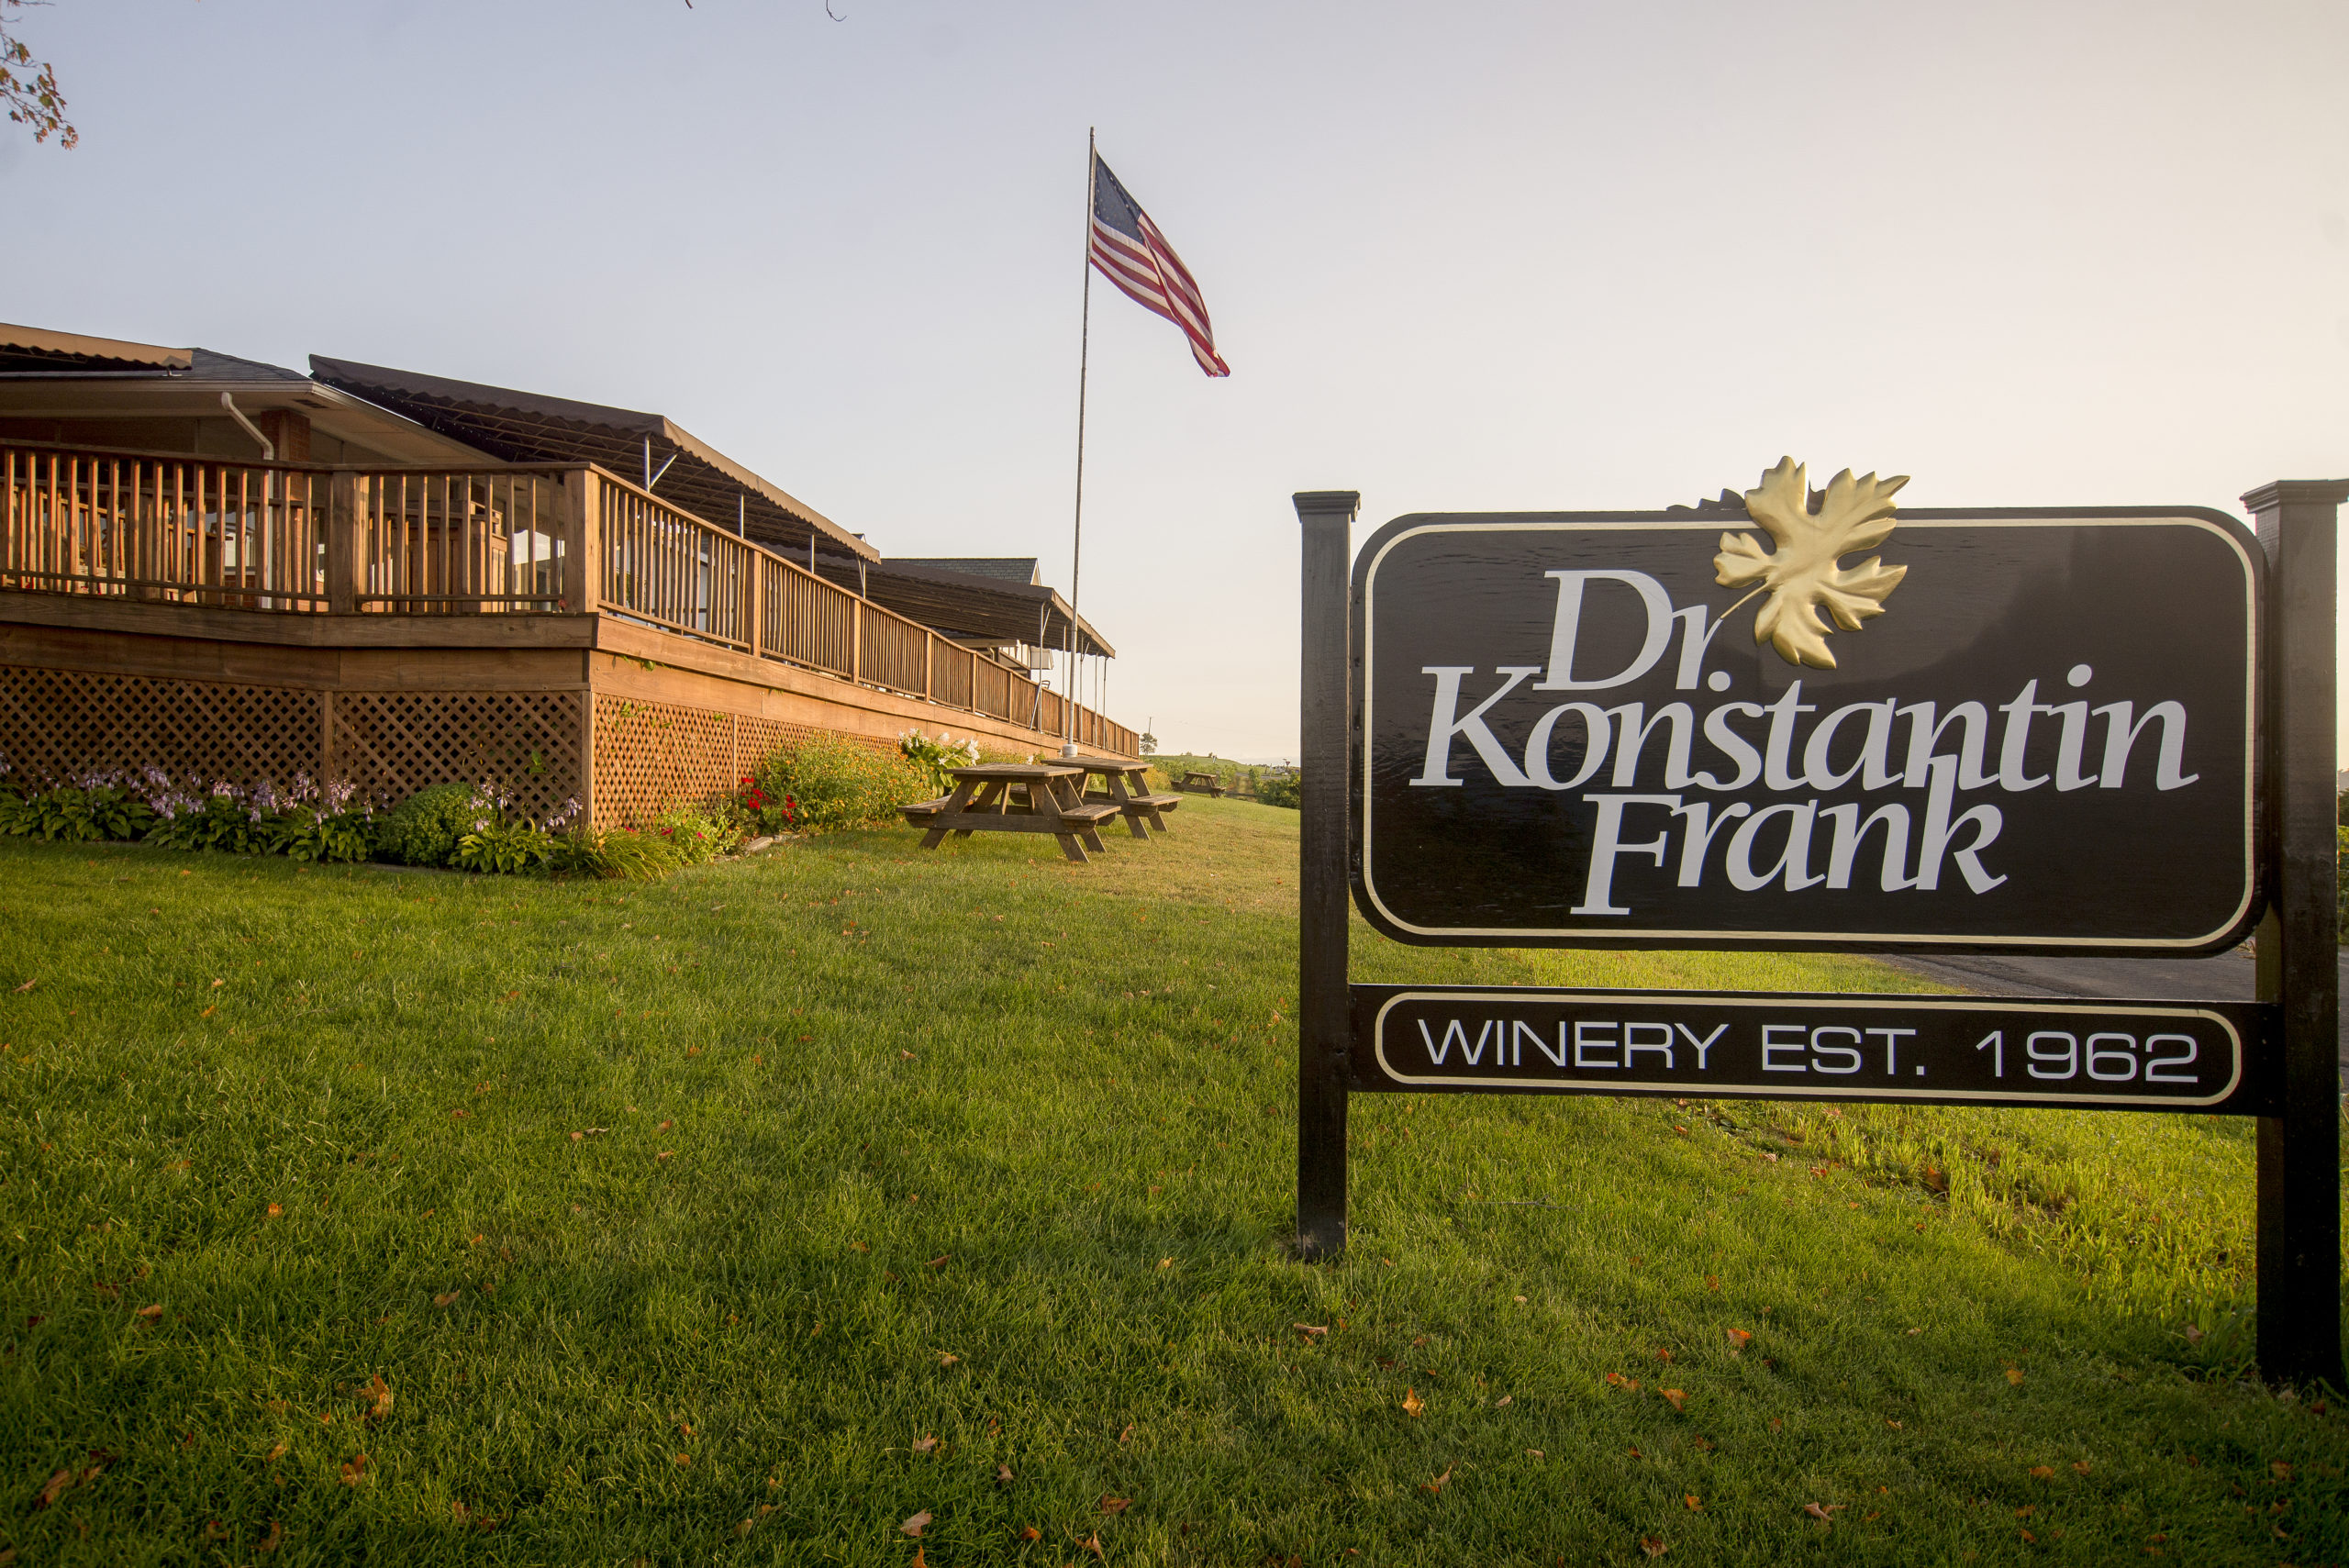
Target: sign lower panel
x: 2152, y: 1056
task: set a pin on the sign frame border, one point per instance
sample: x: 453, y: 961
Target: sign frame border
x: 2256, y: 895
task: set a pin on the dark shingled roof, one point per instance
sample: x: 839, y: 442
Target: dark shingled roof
x: 978, y: 609
x: 1009, y: 568
x: 529, y: 427
x: 36, y: 352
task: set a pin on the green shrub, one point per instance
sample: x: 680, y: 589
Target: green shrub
x: 1277, y: 787
x: 695, y: 835
x: 88, y: 813
x: 612, y: 853
x: 825, y: 781
x: 309, y: 832
x: 426, y: 828
x: 505, y: 848
x: 220, y: 818
x: 938, y: 759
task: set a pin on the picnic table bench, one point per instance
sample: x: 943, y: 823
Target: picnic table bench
x: 1200, y: 784
x: 1125, y: 787
x: 981, y: 802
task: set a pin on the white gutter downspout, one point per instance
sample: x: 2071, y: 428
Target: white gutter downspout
x: 268, y: 484
x: 268, y: 447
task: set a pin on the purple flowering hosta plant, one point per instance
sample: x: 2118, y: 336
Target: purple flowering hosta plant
x: 315, y: 823
x: 218, y: 816
x: 90, y: 809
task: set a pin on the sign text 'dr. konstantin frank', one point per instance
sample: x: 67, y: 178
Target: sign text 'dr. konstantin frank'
x: 2009, y: 729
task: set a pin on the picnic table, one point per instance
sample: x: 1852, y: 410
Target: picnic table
x: 1200, y: 784
x: 981, y: 802
x: 1126, y: 785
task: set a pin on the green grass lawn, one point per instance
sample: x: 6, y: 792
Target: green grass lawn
x: 746, y: 1215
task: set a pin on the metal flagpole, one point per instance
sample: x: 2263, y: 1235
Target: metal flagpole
x: 1076, y: 543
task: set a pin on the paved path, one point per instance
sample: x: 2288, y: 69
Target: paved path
x: 2226, y: 977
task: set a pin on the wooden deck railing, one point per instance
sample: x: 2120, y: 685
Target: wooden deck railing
x: 503, y: 538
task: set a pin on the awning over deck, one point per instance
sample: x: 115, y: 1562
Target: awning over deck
x: 529, y: 427
x: 972, y: 608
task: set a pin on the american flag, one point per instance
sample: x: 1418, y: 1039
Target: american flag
x: 1132, y: 254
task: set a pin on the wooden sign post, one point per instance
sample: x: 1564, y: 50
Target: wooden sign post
x: 2103, y: 731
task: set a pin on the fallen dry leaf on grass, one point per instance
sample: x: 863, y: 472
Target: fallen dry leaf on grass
x: 149, y: 1314
x: 2082, y: 1467
x: 1505, y: 1399
x: 940, y: 1262
x: 1673, y: 1398
x: 274, y: 1454
x: 2014, y: 1374
x: 924, y: 1443
x: 379, y: 1399
x: 1412, y: 1404
x: 947, y: 1358
x: 2042, y: 1472
x: 1825, y: 1515
x: 354, y: 1469
x: 29, y: 985
x: 1738, y: 1340
x: 1619, y: 1381
x: 1437, y: 1486
x: 214, y: 1530
x: 2280, y: 1468
x: 1003, y: 1473
x: 916, y: 1525
x: 1092, y: 1543
x: 1712, y: 1282
x: 446, y: 1298
x: 1652, y: 1547
x: 275, y: 1209
x: 1311, y: 1331
x: 2193, y: 1335
x: 1030, y: 1532
x: 1115, y: 1505
x: 666, y: 1154
x: 1696, y: 1506
x: 273, y: 1540
x: 860, y: 1247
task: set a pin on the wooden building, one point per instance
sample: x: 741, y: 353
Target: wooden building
x: 231, y: 571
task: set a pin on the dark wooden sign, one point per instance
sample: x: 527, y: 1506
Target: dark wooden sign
x: 2035, y: 731
x: 1792, y: 1046
x: 1791, y: 719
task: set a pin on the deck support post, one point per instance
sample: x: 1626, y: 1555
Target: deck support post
x: 582, y: 559
x: 345, y: 544
x: 754, y: 604
x: 2299, y: 1146
x: 1323, y: 1026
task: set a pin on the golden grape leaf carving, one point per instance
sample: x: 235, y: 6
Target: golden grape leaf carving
x: 1801, y: 575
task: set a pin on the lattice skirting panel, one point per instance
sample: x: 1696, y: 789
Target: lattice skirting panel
x: 59, y: 724
x: 391, y: 744
x: 650, y: 755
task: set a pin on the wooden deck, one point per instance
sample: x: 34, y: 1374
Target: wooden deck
x: 559, y: 628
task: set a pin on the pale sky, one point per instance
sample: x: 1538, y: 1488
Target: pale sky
x: 1465, y: 256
